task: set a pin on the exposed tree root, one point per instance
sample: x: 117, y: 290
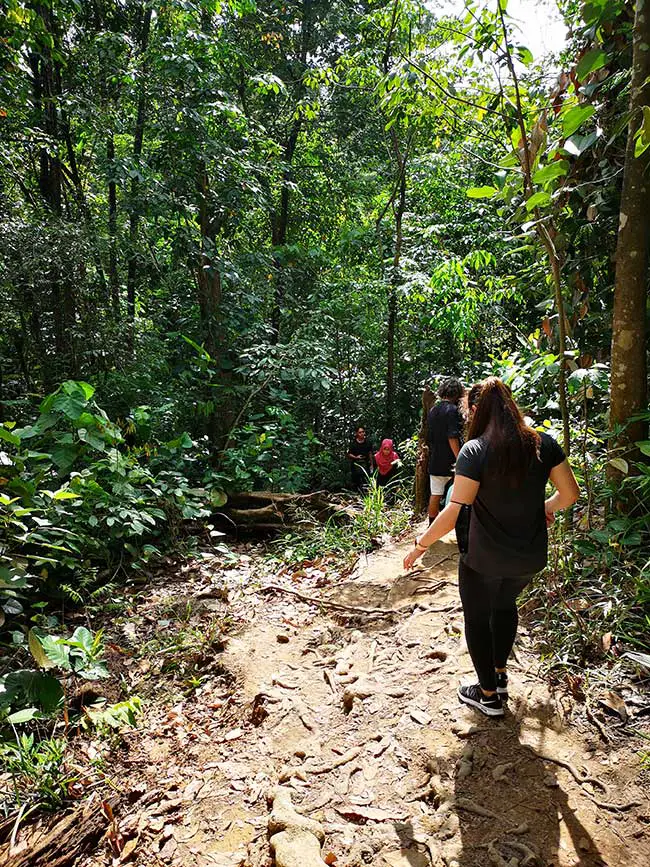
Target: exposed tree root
x: 593, y: 719
x: 328, y: 603
x: 471, y: 807
x: 577, y: 776
x: 582, y: 779
x: 295, y: 839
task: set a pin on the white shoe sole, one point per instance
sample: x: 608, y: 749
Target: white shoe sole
x: 488, y: 711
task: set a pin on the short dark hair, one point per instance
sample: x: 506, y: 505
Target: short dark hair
x: 360, y: 427
x: 451, y: 388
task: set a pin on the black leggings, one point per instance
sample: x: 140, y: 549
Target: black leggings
x: 490, y: 609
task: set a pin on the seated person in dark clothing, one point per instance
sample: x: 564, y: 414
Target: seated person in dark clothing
x: 360, y: 456
x: 387, y: 461
x: 444, y: 438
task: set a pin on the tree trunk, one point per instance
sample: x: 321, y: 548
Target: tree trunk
x: 279, y: 226
x: 280, y: 216
x: 138, y: 140
x: 628, y: 395
x: 44, y: 92
x: 422, y: 488
x: 208, y: 277
x: 399, y: 209
x: 113, y: 276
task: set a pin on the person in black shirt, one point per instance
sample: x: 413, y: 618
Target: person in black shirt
x: 502, y: 473
x: 360, y: 452
x: 444, y: 438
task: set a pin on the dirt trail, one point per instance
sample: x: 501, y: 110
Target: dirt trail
x: 359, y: 718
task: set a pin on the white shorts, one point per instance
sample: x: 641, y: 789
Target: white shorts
x: 438, y: 484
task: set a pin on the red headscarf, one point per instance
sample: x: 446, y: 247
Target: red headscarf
x: 385, y: 462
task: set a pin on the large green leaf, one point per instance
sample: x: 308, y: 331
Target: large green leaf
x: 553, y: 170
x: 578, y: 144
x: 9, y: 437
x: 28, y: 687
x: 83, y: 637
x: 573, y: 119
x: 481, y: 192
x: 538, y: 200
x: 37, y: 651
x: 23, y: 716
x: 590, y: 62
x: 57, y: 651
x: 92, y: 438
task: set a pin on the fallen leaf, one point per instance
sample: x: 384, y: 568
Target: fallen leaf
x: 614, y: 702
x: 233, y: 734
x: 330, y: 858
x: 578, y: 604
x: 607, y: 641
x: 420, y: 716
x: 129, y: 848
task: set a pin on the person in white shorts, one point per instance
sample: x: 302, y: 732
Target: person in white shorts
x: 444, y: 438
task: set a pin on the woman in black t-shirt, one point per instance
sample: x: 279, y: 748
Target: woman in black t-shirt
x: 501, y: 472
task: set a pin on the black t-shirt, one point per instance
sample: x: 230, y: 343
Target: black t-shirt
x: 443, y: 424
x: 507, y: 531
x: 360, y: 450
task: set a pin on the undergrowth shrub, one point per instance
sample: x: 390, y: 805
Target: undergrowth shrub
x: 593, y: 601
x: 74, y: 498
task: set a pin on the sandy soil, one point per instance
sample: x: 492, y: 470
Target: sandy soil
x: 358, y: 716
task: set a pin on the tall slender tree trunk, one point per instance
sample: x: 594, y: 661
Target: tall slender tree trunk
x: 208, y: 277
x: 280, y: 215
x: 629, y: 385
x: 391, y: 337
x: 138, y: 140
x: 279, y: 227
x: 50, y: 184
x: 113, y: 274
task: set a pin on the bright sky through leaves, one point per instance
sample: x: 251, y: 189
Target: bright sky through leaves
x: 542, y: 27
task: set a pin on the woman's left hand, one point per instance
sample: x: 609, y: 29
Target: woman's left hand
x: 411, y: 557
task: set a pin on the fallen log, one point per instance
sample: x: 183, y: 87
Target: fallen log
x: 267, y: 510
x: 59, y: 844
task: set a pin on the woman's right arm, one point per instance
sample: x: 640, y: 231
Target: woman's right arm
x: 567, y: 490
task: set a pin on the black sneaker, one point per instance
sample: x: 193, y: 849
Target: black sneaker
x: 502, y: 684
x: 490, y: 705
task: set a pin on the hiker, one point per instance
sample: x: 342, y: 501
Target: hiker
x: 501, y: 472
x: 360, y: 456
x: 444, y: 438
x: 387, y: 462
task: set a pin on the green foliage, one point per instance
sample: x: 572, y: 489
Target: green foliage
x: 105, y: 717
x: 208, y: 293
x: 76, y: 497
x: 37, y: 769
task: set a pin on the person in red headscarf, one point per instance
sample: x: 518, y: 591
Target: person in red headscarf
x: 387, y: 461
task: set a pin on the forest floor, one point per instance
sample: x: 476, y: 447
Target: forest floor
x: 355, y: 714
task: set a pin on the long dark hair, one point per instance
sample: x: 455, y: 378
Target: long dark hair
x: 513, y: 445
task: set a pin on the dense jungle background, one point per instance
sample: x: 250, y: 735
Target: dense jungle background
x: 232, y: 231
